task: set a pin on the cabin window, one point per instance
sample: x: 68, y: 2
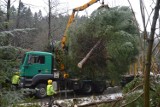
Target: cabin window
x: 36, y: 59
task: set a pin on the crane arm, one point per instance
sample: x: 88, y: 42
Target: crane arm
x: 71, y: 18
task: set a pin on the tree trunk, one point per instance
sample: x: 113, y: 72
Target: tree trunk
x: 19, y: 8
x: 49, y: 21
x: 80, y: 64
x: 149, y: 54
x: 8, y: 14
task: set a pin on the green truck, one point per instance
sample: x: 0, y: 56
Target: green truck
x: 37, y: 67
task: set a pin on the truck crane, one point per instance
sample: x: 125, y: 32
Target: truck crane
x: 71, y: 18
x: 37, y: 67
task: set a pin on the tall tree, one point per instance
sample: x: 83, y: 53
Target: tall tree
x: 13, y: 16
x: 39, y: 14
x: 8, y: 14
x: 25, y: 17
x: 18, y: 14
x: 149, y: 55
x: 37, y: 19
x: 52, y: 10
x: 49, y: 21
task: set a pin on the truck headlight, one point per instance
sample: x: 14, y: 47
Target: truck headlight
x: 21, y: 84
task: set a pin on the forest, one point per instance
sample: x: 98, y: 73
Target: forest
x: 110, y: 38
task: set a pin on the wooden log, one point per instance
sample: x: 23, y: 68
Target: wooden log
x: 80, y: 64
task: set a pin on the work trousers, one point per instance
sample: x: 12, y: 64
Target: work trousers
x: 50, y: 100
x: 14, y: 86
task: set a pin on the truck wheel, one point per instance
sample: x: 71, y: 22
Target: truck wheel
x: 41, y: 90
x: 87, y: 88
x: 100, y: 89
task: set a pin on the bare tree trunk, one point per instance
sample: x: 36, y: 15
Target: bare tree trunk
x: 8, y: 14
x: 149, y: 54
x: 49, y: 21
x: 80, y: 64
x: 144, y: 35
x: 19, y: 8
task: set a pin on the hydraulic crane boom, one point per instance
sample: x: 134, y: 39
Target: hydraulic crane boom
x: 71, y: 18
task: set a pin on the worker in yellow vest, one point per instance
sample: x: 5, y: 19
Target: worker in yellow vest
x: 15, y: 80
x: 50, y: 92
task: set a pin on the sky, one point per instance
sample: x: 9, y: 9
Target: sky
x: 70, y: 4
x: 66, y: 6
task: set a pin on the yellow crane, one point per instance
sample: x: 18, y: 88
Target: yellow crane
x: 71, y: 18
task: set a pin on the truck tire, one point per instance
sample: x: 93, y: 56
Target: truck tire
x: 100, y: 89
x: 41, y: 90
x: 87, y: 88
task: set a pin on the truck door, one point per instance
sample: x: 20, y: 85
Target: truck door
x: 36, y: 65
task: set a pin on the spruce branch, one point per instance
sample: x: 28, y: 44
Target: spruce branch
x: 132, y: 100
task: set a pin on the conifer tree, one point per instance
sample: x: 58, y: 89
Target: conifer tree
x: 117, y: 30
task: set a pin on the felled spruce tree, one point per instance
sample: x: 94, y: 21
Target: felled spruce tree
x: 116, y: 30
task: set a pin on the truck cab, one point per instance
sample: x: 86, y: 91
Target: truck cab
x: 35, y: 69
x: 35, y: 62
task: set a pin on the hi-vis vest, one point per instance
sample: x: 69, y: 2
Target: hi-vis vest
x: 15, y: 79
x: 50, y: 90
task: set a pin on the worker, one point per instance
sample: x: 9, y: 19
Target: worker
x: 50, y: 92
x: 15, y: 80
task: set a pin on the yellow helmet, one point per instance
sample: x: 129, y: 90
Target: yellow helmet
x: 49, y: 81
x: 66, y: 75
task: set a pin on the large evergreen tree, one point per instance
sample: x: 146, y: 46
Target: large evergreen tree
x: 116, y: 30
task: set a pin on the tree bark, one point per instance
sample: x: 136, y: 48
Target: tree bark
x: 144, y: 35
x: 80, y: 64
x: 49, y: 21
x: 149, y: 55
x: 19, y: 8
x: 8, y: 14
